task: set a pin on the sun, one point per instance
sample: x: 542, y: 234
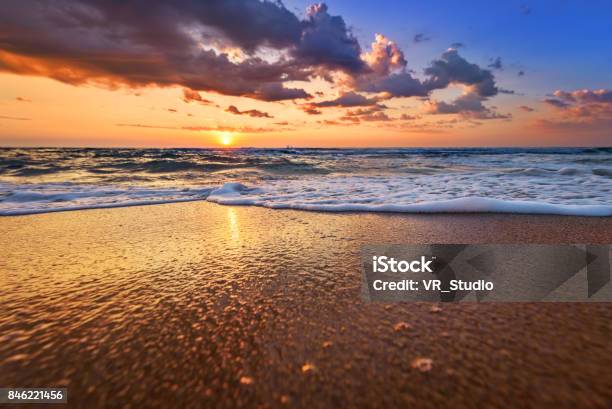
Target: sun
x: 226, y: 138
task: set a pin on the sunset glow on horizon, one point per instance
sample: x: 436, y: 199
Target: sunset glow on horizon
x: 329, y: 76
x: 225, y: 138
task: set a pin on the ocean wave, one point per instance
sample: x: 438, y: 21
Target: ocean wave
x: 602, y: 172
x: 239, y: 194
x: 70, y: 198
x: 10, y: 164
x: 38, y: 171
x: 45, y: 198
x: 460, y: 205
x: 552, y: 180
x: 530, y: 172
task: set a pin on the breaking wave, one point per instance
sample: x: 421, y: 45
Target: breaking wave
x: 568, y: 181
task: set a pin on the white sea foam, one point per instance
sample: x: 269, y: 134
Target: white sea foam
x: 331, y: 196
x: 558, y: 181
x: 32, y: 199
x: 309, y: 199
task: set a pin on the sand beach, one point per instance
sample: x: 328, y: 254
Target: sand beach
x: 202, y: 305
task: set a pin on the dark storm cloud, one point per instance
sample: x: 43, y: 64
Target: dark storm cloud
x: 452, y: 68
x: 251, y: 112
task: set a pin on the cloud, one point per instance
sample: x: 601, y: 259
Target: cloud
x: 583, y: 96
x: 277, y: 92
x: 311, y: 109
x: 385, y: 56
x: 248, y: 24
x: 457, y: 45
x: 247, y: 48
x: 182, y: 43
x: 387, y: 71
x: 200, y: 128
x: 451, y: 68
x: 349, y: 99
x: 584, y: 110
x: 389, y: 77
x: 372, y: 114
x: 496, y: 64
x: 466, y: 103
x: 172, y: 110
x: 420, y: 38
x: 375, y: 117
x: 526, y: 108
x: 251, y: 112
x: 326, y: 41
x: 583, y: 105
x: 330, y: 122
x: 557, y: 103
x: 469, y: 105
x: 190, y: 95
x: 348, y: 118
x: 21, y: 99
x: 521, y: 73
x: 479, y: 83
x: 397, y: 85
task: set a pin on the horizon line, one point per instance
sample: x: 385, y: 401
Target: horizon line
x: 319, y: 147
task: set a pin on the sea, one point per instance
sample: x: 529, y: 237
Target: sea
x: 562, y: 181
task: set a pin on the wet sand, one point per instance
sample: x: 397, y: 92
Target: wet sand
x: 201, y: 305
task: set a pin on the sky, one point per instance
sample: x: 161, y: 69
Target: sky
x: 211, y: 73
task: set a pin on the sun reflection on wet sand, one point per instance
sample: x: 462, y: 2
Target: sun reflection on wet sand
x: 233, y: 224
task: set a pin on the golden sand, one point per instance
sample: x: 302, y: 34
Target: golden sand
x: 201, y: 305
